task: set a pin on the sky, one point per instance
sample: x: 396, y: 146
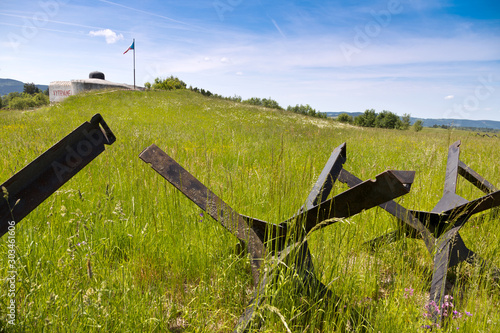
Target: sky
x: 427, y: 58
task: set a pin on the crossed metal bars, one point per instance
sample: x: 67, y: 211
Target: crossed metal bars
x: 288, y: 237
x: 28, y: 188
x: 440, y: 227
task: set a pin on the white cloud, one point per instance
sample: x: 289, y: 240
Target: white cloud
x: 111, y: 36
x: 449, y: 97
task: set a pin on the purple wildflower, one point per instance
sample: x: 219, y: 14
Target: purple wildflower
x: 408, y: 292
x: 456, y: 314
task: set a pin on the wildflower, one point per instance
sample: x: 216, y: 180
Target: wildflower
x: 432, y: 307
x: 456, y: 314
x: 468, y: 313
x: 408, y: 292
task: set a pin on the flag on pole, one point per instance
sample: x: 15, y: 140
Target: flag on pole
x: 130, y: 48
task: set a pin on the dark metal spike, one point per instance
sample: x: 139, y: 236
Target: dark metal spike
x: 327, y: 178
x: 43, y: 176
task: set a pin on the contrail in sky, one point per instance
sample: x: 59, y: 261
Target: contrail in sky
x: 149, y: 13
x: 278, y: 28
x: 59, y: 22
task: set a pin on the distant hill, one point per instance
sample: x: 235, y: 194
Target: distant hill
x: 428, y: 122
x: 9, y: 85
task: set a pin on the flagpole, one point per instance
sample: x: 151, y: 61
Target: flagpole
x: 134, y: 62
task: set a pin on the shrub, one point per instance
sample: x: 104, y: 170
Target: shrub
x: 20, y: 103
x: 253, y: 101
x: 270, y: 103
x: 306, y: 110
x: 345, y: 118
x: 405, y: 121
x: 170, y: 83
x: 25, y: 101
x: 418, y: 125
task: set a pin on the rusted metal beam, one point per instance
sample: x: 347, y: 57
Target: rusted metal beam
x: 475, y: 178
x: 403, y: 215
x: 386, y: 186
x: 198, y: 193
x: 28, y: 188
x: 450, y: 182
x: 323, y: 186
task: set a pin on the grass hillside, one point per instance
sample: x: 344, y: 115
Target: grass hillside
x: 118, y: 249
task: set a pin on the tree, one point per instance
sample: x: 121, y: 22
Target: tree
x: 31, y: 89
x: 235, y: 98
x: 253, y: 101
x: 170, y: 83
x: 9, y: 97
x: 345, y: 118
x: 405, y: 121
x: 367, y: 119
x: 387, y: 119
x: 306, y: 110
x: 418, y: 125
x: 270, y: 103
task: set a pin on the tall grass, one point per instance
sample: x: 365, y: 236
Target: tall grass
x: 118, y: 249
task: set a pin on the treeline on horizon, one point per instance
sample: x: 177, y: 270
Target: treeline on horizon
x: 468, y: 128
x: 384, y: 119
x: 172, y: 83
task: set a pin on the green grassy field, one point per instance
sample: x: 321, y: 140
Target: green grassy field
x: 118, y: 249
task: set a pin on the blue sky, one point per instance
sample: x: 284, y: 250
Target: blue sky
x: 432, y: 59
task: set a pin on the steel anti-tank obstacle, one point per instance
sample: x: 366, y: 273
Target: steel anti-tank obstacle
x: 439, y: 228
x: 265, y: 239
